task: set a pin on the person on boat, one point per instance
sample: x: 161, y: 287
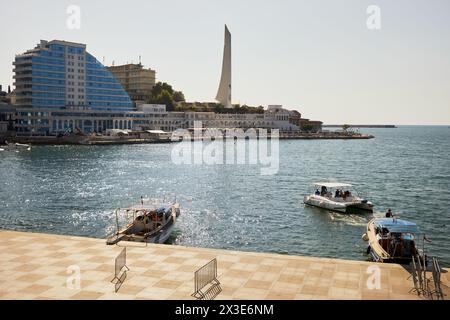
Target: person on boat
x: 317, y: 192
x: 378, y: 236
x: 337, y: 194
x: 324, y: 191
x: 389, y: 214
x: 346, y: 194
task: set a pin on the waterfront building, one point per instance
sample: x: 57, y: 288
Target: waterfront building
x: 137, y: 81
x: 224, y: 92
x: 61, y: 79
x: 304, y: 124
x: 155, y: 117
x: 279, y: 118
x: 153, y: 108
x: 44, y: 121
x: 311, y: 125
x: 7, y: 116
x: 147, y: 117
x: 7, y: 96
x: 11, y: 97
x: 61, y: 74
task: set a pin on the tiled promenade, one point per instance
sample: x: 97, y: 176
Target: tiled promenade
x: 35, y: 266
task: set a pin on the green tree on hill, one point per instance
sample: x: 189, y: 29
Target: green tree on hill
x: 159, y: 87
x: 163, y: 93
x: 178, y: 96
x: 164, y: 97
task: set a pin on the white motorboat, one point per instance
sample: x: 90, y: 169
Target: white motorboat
x: 148, y: 225
x: 16, y: 146
x: 331, y: 196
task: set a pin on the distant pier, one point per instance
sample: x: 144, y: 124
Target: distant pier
x: 389, y: 126
x: 327, y: 136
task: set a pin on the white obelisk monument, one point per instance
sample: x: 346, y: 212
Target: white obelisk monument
x: 224, y: 92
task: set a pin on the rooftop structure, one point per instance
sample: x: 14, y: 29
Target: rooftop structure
x: 136, y: 80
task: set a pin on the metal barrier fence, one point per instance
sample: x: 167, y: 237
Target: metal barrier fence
x: 422, y: 282
x: 437, y: 279
x: 206, y: 277
x: 119, y: 264
x: 416, y: 273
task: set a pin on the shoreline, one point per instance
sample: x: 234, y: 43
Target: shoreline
x: 386, y: 126
x: 108, y: 140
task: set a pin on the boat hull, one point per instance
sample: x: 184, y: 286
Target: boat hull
x: 342, y: 207
x: 16, y: 147
x: 159, y: 238
x: 361, y: 206
x: 376, y: 258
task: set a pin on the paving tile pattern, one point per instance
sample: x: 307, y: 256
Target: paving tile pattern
x: 43, y: 266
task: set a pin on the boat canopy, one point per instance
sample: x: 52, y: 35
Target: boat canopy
x: 163, y: 209
x: 397, y: 225
x: 332, y: 184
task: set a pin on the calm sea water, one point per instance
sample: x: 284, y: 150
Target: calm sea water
x: 73, y: 190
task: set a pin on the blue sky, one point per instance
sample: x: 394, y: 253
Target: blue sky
x: 318, y: 57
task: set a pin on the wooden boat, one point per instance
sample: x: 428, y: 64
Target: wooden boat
x: 149, y: 225
x: 391, y: 240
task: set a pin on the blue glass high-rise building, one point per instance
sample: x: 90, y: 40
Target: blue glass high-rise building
x: 60, y: 74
